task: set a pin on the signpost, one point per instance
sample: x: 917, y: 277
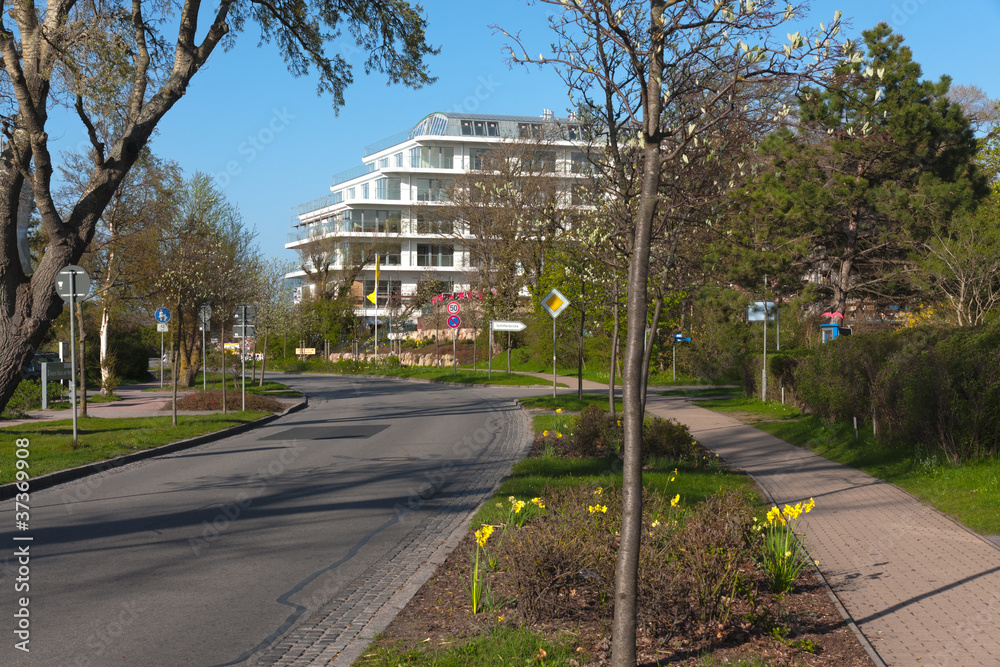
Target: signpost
x: 72, y: 283
x: 501, y: 325
x: 555, y: 303
x: 454, y: 321
x: 678, y: 338
x: 53, y: 370
x: 205, y: 317
x: 162, y: 316
x: 245, y: 314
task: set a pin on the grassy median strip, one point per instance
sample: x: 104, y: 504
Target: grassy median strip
x: 99, y: 439
x: 969, y: 492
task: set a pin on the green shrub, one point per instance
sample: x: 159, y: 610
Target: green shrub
x: 667, y: 439
x: 562, y: 563
x: 28, y: 396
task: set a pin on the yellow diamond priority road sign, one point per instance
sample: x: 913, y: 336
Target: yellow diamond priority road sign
x: 555, y: 302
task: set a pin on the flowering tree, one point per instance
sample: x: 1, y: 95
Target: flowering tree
x: 114, y: 67
x: 667, y: 75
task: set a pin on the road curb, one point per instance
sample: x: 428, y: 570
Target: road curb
x: 8, y: 490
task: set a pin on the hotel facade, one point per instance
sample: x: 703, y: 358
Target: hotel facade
x: 395, y: 197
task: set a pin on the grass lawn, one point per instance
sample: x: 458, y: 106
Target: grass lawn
x: 52, y: 446
x: 568, y: 402
x: 970, y: 492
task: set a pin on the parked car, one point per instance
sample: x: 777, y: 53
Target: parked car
x: 33, y: 370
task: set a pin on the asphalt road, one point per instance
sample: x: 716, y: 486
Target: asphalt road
x: 210, y: 555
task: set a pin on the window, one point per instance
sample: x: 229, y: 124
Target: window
x: 541, y: 161
x: 582, y: 195
x: 431, y: 224
x: 364, y: 191
x: 429, y: 254
x: 529, y: 130
x: 383, y: 162
x: 350, y: 193
x: 432, y: 189
x: 580, y: 164
x: 436, y: 157
x: 386, y: 287
x: 387, y: 222
x: 387, y: 188
x: 476, y: 157
x: 399, y: 159
x: 480, y: 128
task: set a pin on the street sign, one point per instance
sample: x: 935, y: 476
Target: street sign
x: 65, y: 282
x: 454, y: 308
x: 162, y: 315
x: 245, y: 309
x: 251, y: 330
x: 205, y: 313
x: 555, y: 302
x: 56, y: 370
x: 507, y: 325
x: 162, y: 327
x: 454, y: 321
x: 755, y: 311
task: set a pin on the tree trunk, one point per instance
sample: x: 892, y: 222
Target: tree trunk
x: 648, y: 351
x: 579, y: 356
x: 613, y: 373
x: 82, y: 339
x: 106, y: 368
x: 623, y: 649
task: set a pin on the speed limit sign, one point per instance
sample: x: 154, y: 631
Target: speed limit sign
x: 454, y: 308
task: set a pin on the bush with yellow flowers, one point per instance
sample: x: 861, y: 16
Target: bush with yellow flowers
x: 782, y: 553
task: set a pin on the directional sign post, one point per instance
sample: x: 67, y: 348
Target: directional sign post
x: 245, y: 314
x: 72, y: 283
x: 501, y: 325
x: 554, y: 302
x: 205, y: 317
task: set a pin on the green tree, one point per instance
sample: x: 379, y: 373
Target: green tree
x: 666, y: 75
x: 881, y: 161
x: 112, y: 64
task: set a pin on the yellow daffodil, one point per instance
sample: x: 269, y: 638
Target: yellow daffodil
x: 603, y: 509
x: 483, y: 534
x: 656, y: 523
x: 538, y: 502
x: 518, y: 506
x: 558, y: 411
x: 558, y: 435
x: 599, y: 491
x: 809, y: 506
x: 545, y: 433
x: 676, y: 499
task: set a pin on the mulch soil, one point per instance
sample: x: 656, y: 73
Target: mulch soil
x: 810, y: 631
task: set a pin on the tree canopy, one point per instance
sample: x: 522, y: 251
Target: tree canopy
x: 114, y: 65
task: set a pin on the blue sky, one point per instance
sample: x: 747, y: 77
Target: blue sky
x: 273, y: 144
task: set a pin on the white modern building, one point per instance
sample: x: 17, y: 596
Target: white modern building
x: 403, y: 179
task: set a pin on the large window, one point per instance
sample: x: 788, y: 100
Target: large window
x: 399, y: 159
x: 365, y: 191
x: 436, y: 157
x: 387, y: 222
x: 428, y: 223
x: 432, y: 189
x: 387, y: 188
x: 476, y: 156
x: 580, y: 164
x: 431, y: 254
x: 480, y: 128
x: 529, y: 130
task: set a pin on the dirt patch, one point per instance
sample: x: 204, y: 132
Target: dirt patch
x: 801, y: 628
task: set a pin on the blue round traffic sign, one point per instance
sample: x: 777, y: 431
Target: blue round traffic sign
x: 454, y: 321
x: 162, y: 315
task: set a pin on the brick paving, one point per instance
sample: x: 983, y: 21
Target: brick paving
x: 923, y: 589
x: 340, y: 630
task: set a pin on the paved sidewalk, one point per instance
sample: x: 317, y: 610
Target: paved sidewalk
x: 137, y: 401
x: 923, y: 589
